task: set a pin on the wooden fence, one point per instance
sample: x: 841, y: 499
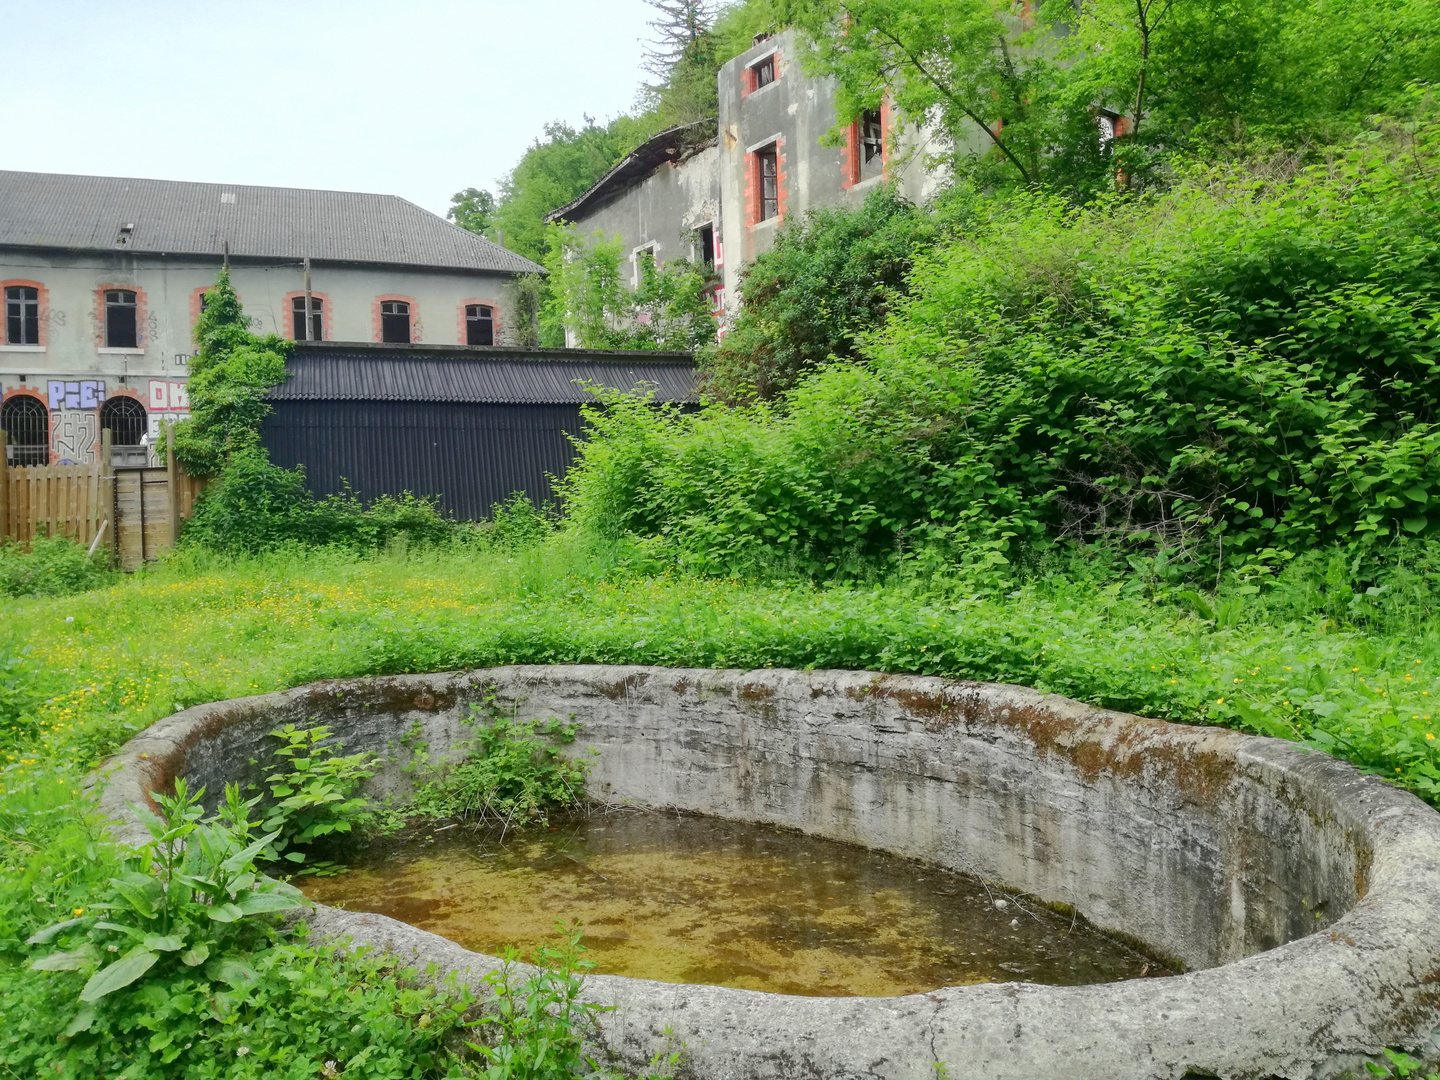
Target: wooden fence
x: 134, y: 512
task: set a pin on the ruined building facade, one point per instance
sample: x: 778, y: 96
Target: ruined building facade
x: 717, y: 191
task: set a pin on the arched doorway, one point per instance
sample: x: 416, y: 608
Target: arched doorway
x: 126, y: 420
x: 26, y: 423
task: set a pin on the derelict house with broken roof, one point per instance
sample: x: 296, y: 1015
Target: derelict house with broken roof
x: 103, y: 278
x: 715, y: 192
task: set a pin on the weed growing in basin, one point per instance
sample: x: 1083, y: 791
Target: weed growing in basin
x: 515, y: 774
x: 537, y: 1025
x: 314, y: 794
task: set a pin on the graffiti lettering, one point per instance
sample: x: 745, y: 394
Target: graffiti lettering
x: 76, y: 395
x: 169, y: 396
x: 73, y: 437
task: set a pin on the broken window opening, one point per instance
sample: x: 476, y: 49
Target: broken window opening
x: 768, y: 161
x: 121, y: 325
x: 26, y: 423
x: 395, y: 322
x: 707, y: 246
x: 764, y: 71
x: 22, y: 315
x: 479, y: 324
x: 643, y: 257
x: 872, y: 137
x: 317, y: 320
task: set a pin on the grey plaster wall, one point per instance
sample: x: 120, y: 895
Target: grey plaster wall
x: 1304, y: 896
x: 664, y: 210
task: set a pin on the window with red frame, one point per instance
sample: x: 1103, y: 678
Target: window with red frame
x: 768, y: 163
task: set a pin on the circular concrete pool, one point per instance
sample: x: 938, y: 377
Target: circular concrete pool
x: 1302, y: 897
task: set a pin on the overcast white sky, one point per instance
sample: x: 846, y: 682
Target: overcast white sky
x: 417, y: 98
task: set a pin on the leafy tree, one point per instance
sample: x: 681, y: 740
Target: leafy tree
x: 1187, y: 75
x: 968, y: 61
x: 668, y: 309
x: 554, y: 170
x: 229, y: 378
x: 831, y: 276
x: 472, y: 209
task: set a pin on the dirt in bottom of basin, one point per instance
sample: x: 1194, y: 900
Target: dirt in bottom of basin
x: 700, y: 900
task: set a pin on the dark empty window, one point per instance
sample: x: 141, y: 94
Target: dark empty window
x: 764, y: 71
x: 707, y: 246
x: 395, y: 322
x: 26, y: 423
x: 125, y: 419
x: 317, y: 320
x: 22, y: 315
x: 769, y: 164
x: 479, y: 324
x: 120, y: 323
x: 872, y: 136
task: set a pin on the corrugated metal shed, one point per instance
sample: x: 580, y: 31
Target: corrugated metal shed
x: 467, y: 426
x: 54, y: 210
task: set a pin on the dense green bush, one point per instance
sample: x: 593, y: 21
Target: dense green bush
x: 51, y: 566
x: 1239, y: 368
x: 832, y: 275
x: 255, y: 505
x: 229, y: 378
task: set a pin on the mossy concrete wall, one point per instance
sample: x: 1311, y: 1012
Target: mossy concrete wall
x: 1303, y: 897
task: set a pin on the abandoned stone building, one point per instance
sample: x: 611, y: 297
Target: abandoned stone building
x: 103, y: 279
x: 715, y: 192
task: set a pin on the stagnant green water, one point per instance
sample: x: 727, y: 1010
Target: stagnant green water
x: 700, y: 900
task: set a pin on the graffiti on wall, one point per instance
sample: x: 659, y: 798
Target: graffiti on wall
x: 86, y: 394
x: 166, y: 396
x: 73, y: 435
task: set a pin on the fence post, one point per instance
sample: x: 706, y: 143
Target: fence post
x: 4, y: 488
x: 105, y: 489
x: 172, y: 476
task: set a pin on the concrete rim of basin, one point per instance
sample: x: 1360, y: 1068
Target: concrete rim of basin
x: 1303, y: 895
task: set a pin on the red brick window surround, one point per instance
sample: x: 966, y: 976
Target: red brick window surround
x: 767, y: 191
x: 26, y: 313
x: 386, y: 308
x: 466, y: 327
x: 760, y: 73
x: 292, y: 309
x: 102, y: 329
x: 866, y: 153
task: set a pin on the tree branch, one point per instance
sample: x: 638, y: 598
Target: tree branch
x: 954, y: 100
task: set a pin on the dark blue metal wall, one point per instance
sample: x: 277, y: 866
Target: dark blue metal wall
x: 470, y: 455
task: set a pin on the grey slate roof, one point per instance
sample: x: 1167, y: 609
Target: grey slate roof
x: 351, y: 371
x: 54, y: 210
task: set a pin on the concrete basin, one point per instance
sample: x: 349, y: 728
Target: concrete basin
x: 1301, y: 897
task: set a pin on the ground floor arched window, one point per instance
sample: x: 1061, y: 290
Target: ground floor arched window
x: 126, y: 420
x: 26, y: 423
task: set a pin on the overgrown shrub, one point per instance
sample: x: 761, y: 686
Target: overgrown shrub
x: 51, y: 566
x: 667, y: 309
x: 1242, y: 367
x: 255, y: 506
x: 229, y: 378
x: 831, y: 276
x: 514, y: 774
